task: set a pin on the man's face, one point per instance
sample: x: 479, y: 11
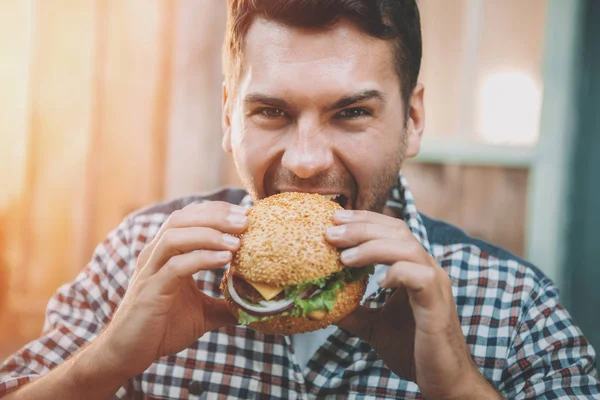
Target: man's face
x: 319, y: 111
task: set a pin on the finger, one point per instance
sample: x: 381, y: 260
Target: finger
x: 353, y: 234
x: 362, y: 216
x: 185, y: 265
x: 385, y: 251
x: 229, y: 218
x: 184, y: 240
x: 225, y: 217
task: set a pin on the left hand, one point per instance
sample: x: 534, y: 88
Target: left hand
x: 417, y: 332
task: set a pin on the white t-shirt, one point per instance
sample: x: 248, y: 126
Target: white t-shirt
x: 307, y: 344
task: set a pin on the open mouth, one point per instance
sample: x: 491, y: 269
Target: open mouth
x: 341, y: 199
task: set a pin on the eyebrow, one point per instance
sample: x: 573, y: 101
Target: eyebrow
x: 358, y: 98
x: 277, y: 102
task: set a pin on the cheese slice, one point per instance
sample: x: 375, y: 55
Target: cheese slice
x: 317, y: 315
x: 266, y: 291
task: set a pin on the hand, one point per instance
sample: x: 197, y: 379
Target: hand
x: 417, y: 332
x: 163, y: 311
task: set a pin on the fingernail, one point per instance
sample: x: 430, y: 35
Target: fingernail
x: 238, y: 209
x: 381, y: 278
x: 342, y: 215
x: 224, y: 255
x: 335, y: 232
x: 349, y: 255
x: 230, y: 240
x: 237, y: 219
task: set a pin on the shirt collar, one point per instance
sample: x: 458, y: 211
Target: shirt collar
x: 402, y: 202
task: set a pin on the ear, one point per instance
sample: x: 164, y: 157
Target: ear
x: 226, y: 120
x: 415, y: 125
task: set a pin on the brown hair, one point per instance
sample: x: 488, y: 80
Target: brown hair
x: 394, y: 20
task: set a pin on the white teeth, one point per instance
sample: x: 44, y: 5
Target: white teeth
x: 331, y: 196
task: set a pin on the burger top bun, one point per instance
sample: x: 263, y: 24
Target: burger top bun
x: 285, y: 241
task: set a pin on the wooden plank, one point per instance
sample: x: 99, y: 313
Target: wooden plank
x: 493, y: 205
x: 469, y: 152
x: 487, y: 202
x: 437, y: 189
x: 194, y: 153
x: 15, y: 42
x: 59, y: 122
x: 132, y: 106
x: 444, y: 26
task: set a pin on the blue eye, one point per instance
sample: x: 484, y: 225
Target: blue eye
x: 351, y: 113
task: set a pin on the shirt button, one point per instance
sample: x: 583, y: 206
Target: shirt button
x: 196, y: 388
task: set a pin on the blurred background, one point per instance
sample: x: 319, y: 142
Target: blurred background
x: 107, y: 106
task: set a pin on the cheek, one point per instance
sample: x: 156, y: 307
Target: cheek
x: 244, y: 153
x: 374, y: 162
x: 369, y: 155
x: 253, y: 153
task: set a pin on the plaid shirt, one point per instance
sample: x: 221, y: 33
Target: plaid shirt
x: 520, y: 337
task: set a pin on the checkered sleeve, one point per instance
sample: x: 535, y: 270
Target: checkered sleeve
x: 75, y: 315
x: 549, y: 357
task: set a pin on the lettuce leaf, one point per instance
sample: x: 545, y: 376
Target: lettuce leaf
x: 349, y: 274
x: 295, y: 291
x: 325, y: 300
x: 246, y: 319
x: 353, y: 274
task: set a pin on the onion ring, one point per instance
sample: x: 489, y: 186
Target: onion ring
x: 265, y: 308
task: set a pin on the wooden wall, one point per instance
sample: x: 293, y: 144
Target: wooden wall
x: 91, y: 92
x: 488, y: 202
x: 107, y: 106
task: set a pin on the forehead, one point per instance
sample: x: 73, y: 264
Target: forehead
x: 315, y: 61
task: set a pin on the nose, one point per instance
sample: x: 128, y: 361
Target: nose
x: 308, y: 152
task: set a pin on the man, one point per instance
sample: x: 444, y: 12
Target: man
x: 320, y: 96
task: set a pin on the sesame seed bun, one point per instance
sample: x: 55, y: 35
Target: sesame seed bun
x: 285, y: 241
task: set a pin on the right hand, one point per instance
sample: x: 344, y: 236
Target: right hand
x: 163, y: 311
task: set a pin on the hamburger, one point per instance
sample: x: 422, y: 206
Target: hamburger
x: 286, y: 278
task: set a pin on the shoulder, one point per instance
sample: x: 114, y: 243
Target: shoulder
x: 488, y: 280
x: 452, y: 239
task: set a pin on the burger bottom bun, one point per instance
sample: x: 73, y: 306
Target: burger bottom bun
x: 347, y: 300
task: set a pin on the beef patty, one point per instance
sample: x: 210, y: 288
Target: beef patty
x: 247, y: 292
